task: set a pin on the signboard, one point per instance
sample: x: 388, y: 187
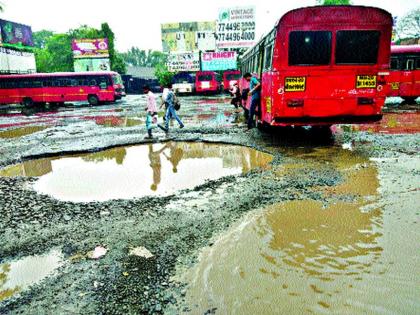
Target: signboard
x: 15, y: 35
x: 236, y: 27
x: 90, y: 48
x: 365, y: 81
x: 218, y: 61
x: 184, y: 62
x: 92, y: 64
x: 13, y: 61
x: 191, y: 36
x: 294, y: 84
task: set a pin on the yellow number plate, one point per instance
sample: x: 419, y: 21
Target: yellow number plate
x: 395, y: 85
x: 366, y: 81
x: 295, y: 84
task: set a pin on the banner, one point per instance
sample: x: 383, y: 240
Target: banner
x: 191, y: 36
x: 184, y: 62
x: 236, y: 27
x: 218, y: 61
x: 13, y: 61
x: 15, y: 35
x: 90, y: 48
x: 92, y: 64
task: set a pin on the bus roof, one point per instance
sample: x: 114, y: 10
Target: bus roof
x: 405, y: 49
x: 337, y: 14
x: 57, y: 74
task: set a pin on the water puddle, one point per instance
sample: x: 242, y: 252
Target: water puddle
x: 20, y: 132
x: 137, y: 171
x: 394, y: 123
x: 346, y: 256
x: 114, y: 121
x: 17, y: 276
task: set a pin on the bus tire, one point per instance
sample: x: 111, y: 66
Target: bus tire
x: 27, y: 102
x: 93, y: 100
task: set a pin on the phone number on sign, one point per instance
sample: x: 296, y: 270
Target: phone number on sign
x: 238, y: 36
x: 238, y: 26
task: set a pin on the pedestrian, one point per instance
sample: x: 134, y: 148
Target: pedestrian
x: 151, y: 112
x: 236, y: 94
x: 255, y: 93
x: 170, y: 111
x: 163, y: 101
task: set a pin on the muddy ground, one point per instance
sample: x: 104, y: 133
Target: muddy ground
x: 201, y: 263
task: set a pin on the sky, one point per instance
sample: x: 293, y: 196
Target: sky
x: 137, y: 23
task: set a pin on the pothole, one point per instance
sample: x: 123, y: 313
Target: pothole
x: 137, y: 171
x: 17, y: 276
x: 20, y: 132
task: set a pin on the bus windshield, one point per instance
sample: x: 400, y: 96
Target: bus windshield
x: 205, y: 77
x: 233, y: 76
x: 357, y: 47
x: 116, y: 78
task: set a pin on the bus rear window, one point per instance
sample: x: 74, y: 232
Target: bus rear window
x: 395, y: 63
x: 233, y: 76
x: 357, y: 47
x: 309, y: 48
x: 205, y: 77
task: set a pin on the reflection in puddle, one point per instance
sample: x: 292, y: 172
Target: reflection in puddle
x: 394, y: 123
x: 19, y: 275
x: 20, y: 132
x: 114, y: 121
x: 137, y: 171
x: 304, y: 256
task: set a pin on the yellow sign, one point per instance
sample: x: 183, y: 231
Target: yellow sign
x: 268, y: 104
x: 294, y: 84
x: 365, y: 81
x: 395, y: 85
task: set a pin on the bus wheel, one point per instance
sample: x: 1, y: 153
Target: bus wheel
x: 27, y: 102
x: 93, y: 100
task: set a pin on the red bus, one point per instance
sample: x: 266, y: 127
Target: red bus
x: 57, y: 88
x: 230, y: 77
x: 404, y: 80
x: 323, y: 65
x: 207, y: 82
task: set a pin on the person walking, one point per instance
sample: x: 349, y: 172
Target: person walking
x: 255, y: 93
x: 170, y: 111
x: 236, y: 94
x: 151, y: 112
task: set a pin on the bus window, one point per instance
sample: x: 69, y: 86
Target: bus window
x: 92, y: 82
x: 309, y: 48
x: 395, y: 63
x: 268, y: 57
x: 417, y: 63
x: 409, y: 65
x: 357, y: 47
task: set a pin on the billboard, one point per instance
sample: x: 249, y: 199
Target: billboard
x: 92, y: 64
x: 191, y: 36
x: 218, y: 61
x: 236, y: 27
x: 14, y: 61
x: 15, y: 35
x: 184, y: 62
x: 90, y: 48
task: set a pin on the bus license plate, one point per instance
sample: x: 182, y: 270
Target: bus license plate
x: 395, y: 85
x: 366, y: 81
x: 294, y: 84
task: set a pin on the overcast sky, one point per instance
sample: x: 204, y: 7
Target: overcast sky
x: 137, y: 23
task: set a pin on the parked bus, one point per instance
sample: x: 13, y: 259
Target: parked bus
x: 230, y: 77
x: 208, y: 82
x: 404, y: 79
x: 323, y: 65
x: 184, y: 83
x: 57, y: 88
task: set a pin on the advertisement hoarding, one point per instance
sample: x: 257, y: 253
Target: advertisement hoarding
x: 13, y: 61
x: 90, y: 48
x: 191, y: 36
x: 236, y: 27
x: 184, y: 62
x: 92, y: 64
x: 218, y: 61
x: 15, y: 35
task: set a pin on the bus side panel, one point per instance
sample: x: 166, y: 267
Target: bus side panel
x: 393, y: 86
x: 406, y: 83
x: 416, y: 88
x: 266, y: 97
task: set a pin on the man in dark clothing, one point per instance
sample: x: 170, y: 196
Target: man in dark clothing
x: 255, y: 93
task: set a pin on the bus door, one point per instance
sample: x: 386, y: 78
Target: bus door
x: 267, y: 83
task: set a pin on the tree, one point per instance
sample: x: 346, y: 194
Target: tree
x: 143, y: 58
x: 164, y: 76
x: 41, y: 38
x: 409, y: 25
x: 117, y: 62
x: 334, y: 2
x: 56, y: 56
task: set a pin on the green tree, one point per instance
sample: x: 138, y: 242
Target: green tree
x: 56, y: 55
x: 41, y: 38
x: 409, y: 25
x: 143, y: 58
x: 334, y: 2
x: 164, y: 76
x: 117, y: 62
